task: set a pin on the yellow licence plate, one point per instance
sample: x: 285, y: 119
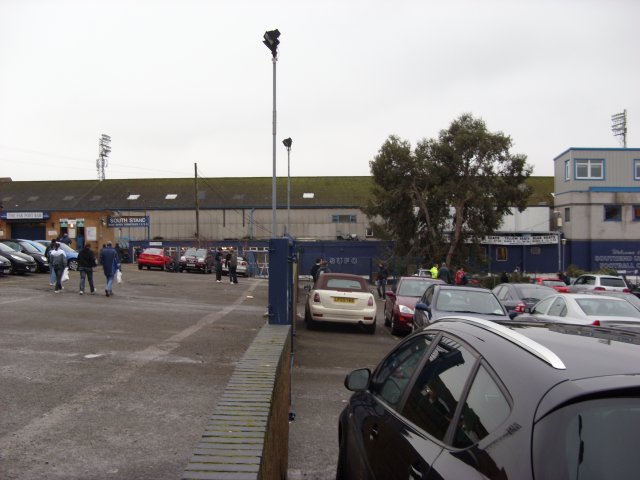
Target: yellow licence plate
x: 344, y: 300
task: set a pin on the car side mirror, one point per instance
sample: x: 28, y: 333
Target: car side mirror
x: 358, y: 380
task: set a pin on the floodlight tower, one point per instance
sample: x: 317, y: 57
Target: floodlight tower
x: 272, y: 42
x: 619, y: 126
x: 103, y: 154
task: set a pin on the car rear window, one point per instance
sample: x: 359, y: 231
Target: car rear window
x: 538, y: 292
x: 345, y: 284
x: 412, y: 288
x: 612, y: 282
x: 589, y: 440
x: 153, y: 251
x: 608, y: 307
x: 554, y: 283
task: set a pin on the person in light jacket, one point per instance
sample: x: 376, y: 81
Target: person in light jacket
x: 58, y: 262
x: 110, y: 262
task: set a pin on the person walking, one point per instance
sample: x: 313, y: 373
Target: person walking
x: 232, y: 263
x: 86, y: 262
x: 52, y: 272
x: 383, y: 275
x: 217, y: 260
x: 444, y: 274
x: 58, y: 262
x: 110, y: 265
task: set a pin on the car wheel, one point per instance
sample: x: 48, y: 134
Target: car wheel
x: 139, y: 267
x: 73, y: 264
x: 370, y: 328
x: 310, y: 322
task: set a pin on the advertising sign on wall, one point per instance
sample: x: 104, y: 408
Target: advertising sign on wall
x: 117, y: 222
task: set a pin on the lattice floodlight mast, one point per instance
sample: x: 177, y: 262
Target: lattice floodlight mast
x: 103, y: 154
x: 619, y: 126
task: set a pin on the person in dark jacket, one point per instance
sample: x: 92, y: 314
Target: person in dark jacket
x: 86, y: 262
x: 444, y: 274
x: 217, y: 260
x: 110, y: 262
x: 381, y: 282
x: 315, y: 268
x: 232, y: 263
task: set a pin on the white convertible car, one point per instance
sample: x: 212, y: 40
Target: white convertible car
x: 341, y: 298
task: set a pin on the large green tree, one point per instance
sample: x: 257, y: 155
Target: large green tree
x: 441, y: 199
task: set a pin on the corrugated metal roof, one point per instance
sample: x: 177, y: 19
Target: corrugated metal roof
x: 213, y: 193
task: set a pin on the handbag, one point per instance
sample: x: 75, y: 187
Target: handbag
x: 119, y: 276
x: 65, y: 274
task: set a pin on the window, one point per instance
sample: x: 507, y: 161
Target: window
x: 636, y: 213
x: 589, y: 169
x: 133, y: 196
x: 394, y: 373
x: 542, y: 306
x: 636, y: 169
x: 567, y: 170
x: 501, y: 254
x: 368, y: 232
x: 612, y: 213
x: 485, y: 409
x: 567, y: 214
x: 433, y: 400
x: 343, y: 218
x: 559, y: 308
x: 171, y: 196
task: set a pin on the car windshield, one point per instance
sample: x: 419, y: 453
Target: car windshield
x: 468, y: 301
x: 191, y: 252
x: 412, y: 288
x: 588, y: 440
x: 66, y: 248
x: 30, y: 248
x: 201, y: 252
x: 12, y: 245
x: 607, y: 307
x: 6, y: 248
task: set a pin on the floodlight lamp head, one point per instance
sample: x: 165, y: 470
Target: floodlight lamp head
x: 271, y: 41
x: 287, y: 143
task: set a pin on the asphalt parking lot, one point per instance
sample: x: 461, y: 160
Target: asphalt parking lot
x: 121, y: 387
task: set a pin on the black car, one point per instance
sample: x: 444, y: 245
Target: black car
x: 5, y: 265
x: 468, y: 398
x: 196, y: 260
x: 442, y: 300
x: 518, y: 296
x: 20, y: 262
x: 25, y: 247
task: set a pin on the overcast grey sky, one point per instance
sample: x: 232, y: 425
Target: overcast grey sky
x: 178, y: 82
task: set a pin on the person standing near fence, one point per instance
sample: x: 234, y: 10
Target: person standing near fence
x: 383, y: 275
x: 217, y: 260
x: 232, y: 263
x: 86, y: 262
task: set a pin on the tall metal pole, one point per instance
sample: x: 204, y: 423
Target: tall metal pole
x: 289, y: 191
x: 195, y: 186
x: 273, y: 179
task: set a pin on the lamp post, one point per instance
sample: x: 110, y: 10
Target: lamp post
x: 271, y: 41
x: 564, y: 258
x: 287, y: 143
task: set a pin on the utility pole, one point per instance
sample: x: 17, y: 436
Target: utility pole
x: 195, y: 184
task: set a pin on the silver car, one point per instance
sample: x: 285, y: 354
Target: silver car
x: 598, y: 282
x: 584, y: 309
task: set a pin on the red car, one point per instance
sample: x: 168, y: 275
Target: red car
x: 156, y: 258
x: 400, y: 302
x: 555, y: 283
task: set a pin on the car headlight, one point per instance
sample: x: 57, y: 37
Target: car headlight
x: 18, y: 259
x: 183, y: 259
x: 43, y: 258
x: 406, y: 310
x: 201, y: 260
